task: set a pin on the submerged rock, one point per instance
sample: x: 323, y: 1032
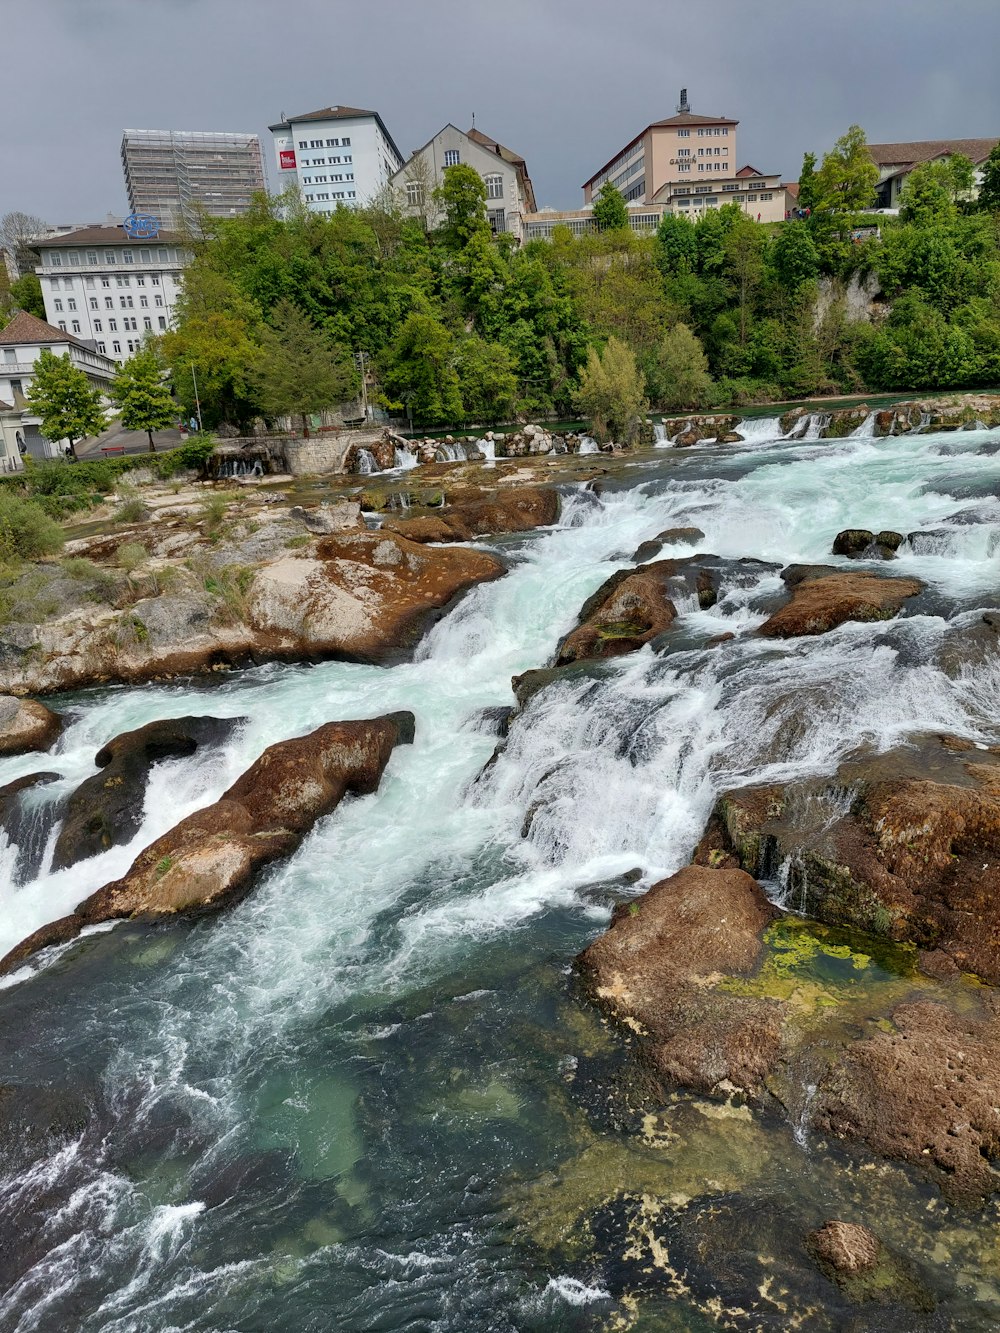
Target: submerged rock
x: 860, y: 543
x: 821, y: 604
x: 212, y: 857
x: 107, y: 809
x: 670, y: 537
x: 652, y: 970
x: 26, y: 725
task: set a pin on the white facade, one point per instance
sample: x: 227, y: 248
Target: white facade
x: 104, y: 288
x: 21, y: 344
x: 340, y: 156
x: 508, y: 188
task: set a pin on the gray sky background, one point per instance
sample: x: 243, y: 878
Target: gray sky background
x: 564, y: 82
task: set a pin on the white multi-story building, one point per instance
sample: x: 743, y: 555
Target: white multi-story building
x: 105, y: 286
x: 340, y: 155
x: 21, y: 344
x: 509, y: 193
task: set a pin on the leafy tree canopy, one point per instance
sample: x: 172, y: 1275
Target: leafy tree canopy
x: 61, y: 394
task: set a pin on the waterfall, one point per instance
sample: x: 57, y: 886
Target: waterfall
x: 815, y: 426
x: 448, y: 451
x: 588, y: 445
x: 866, y: 431
x: 660, y: 434
x: 488, y: 448
x: 760, y: 430
x: 364, y: 462
x: 292, y: 1096
x: 405, y: 458
x: 925, y: 421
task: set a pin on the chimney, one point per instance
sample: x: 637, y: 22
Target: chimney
x: 684, y: 106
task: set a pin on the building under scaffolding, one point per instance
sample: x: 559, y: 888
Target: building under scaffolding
x: 178, y: 176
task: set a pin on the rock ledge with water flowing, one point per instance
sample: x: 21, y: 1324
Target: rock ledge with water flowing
x: 819, y: 604
x: 212, y: 857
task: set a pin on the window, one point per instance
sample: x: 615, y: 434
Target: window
x: 105, y: 282
x: 145, y: 254
x: 303, y: 143
x: 144, y: 301
x: 161, y: 254
x: 101, y: 347
x: 345, y: 143
x: 140, y: 282
x: 497, y: 220
x: 162, y: 322
x: 348, y: 157
x: 109, y: 303
x: 116, y: 347
x: 93, y: 303
x: 9, y: 354
x: 58, y: 304
x: 62, y: 325
x: 89, y: 282
x: 315, y: 143
x: 71, y: 303
x: 158, y: 300
x: 76, y: 326
x: 155, y: 279
x: 109, y: 256
x: 751, y: 198
x: 333, y: 143
x: 452, y: 157
x: 147, y: 322
x: 767, y: 196
x: 414, y: 193
x: 91, y: 256
x: 128, y: 257
x: 119, y: 281
x: 113, y: 325
x: 684, y: 134
x: 349, y: 176
x: 73, y: 257
x: 98, y: 326
x: 494, y: 187
x: 334, y: 161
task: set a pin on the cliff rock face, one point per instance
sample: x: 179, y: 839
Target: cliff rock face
x: 212, y: 857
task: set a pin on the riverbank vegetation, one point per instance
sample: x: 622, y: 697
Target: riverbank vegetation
x: 459, y: 326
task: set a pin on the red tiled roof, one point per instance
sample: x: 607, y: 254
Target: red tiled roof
x: 25, y: 328
x: 748, y: 170
x: 327, y: 113
x: 926, y: 150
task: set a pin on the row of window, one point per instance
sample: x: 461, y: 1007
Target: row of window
x: 128, y: 324
x: 133, y: 346
x: 322, y: 180
x: 415, y: 190
x: 320, y: 143
x: 613, y: 168
x: 323, y: 161
x: 333, y: 194
x: 68, y: 284
x: 125, y: 302
x: 110, y: 256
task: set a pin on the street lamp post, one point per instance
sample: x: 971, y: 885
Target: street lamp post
x: 197, y: 402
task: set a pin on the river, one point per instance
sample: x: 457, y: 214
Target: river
x: 362, y: 1099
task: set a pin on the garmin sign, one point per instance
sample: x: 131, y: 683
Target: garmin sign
x: 141, y: 227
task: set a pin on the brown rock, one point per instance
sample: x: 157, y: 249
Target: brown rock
x: 26, y: 725
x: 507, y: 509
x: 821, y: 604
x: 925, y: 1093
x: 630, y: 609
x: 914, y: 855
x: 106, y: 809
x: 846, y: 1248
x: 212, y: 857
x: 653, y: 970
x: 670, y: 537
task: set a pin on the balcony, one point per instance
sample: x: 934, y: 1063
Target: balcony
x: 16, y: 368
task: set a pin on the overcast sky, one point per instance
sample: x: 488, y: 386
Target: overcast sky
x: 564, y: 82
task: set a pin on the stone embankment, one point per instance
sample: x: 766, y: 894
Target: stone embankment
x: 212, y: 857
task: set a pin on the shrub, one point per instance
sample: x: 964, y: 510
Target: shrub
x: 26, y: 530
x: 130, y: 555
x: 131, y: 510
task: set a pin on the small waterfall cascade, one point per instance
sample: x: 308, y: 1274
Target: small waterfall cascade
x: 364, y: 462
x: 235, y: 468
x: 925, y: 421
x: 816, y: 424
x: 488, y: 448
x: 760, y: 430
x: 866, y: 431
x: 405, y: 459
x: 801, y: 1127
x: 588, y: 445
x: 659, y: 434
x: 450, y: 451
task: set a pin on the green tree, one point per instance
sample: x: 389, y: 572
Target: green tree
x: 419, y: 372
x: 70, y: 408
x: 989, y: 189
x: 744, y: 249
x: 610, y: 209
x: 612, y: 393
x: 682, y: 379
x: 26, y: 294
x: 847, y: 179
x: 461, y: 196
x: 487, y: 380
x: 808, y: 190
x: 794, y: 256
x: 141, y: 395
x: 676, y: 245
x: 300, y: 369
x: 214, y: 344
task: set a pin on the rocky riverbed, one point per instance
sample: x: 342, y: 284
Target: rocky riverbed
x: 558, y: 895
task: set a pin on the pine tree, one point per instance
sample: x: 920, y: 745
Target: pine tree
x: 63, y: 397
x: 144, y: 400
x: 300, y: 369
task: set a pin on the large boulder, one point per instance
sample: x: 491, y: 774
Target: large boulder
x: 821, y: 604
x: 925, y: 1092
x: 26, y: 725
x: 653, y: 970
x: 904, y: 845
x: 650, y: 549
x: 106, y: 809
x: 507, y: 509
x: 360, y: 594
x: 212, y: 857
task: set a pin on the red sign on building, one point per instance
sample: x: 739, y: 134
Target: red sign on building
x: 286, y: 156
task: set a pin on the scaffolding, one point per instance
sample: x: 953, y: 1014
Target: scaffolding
x: 179, y: 175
